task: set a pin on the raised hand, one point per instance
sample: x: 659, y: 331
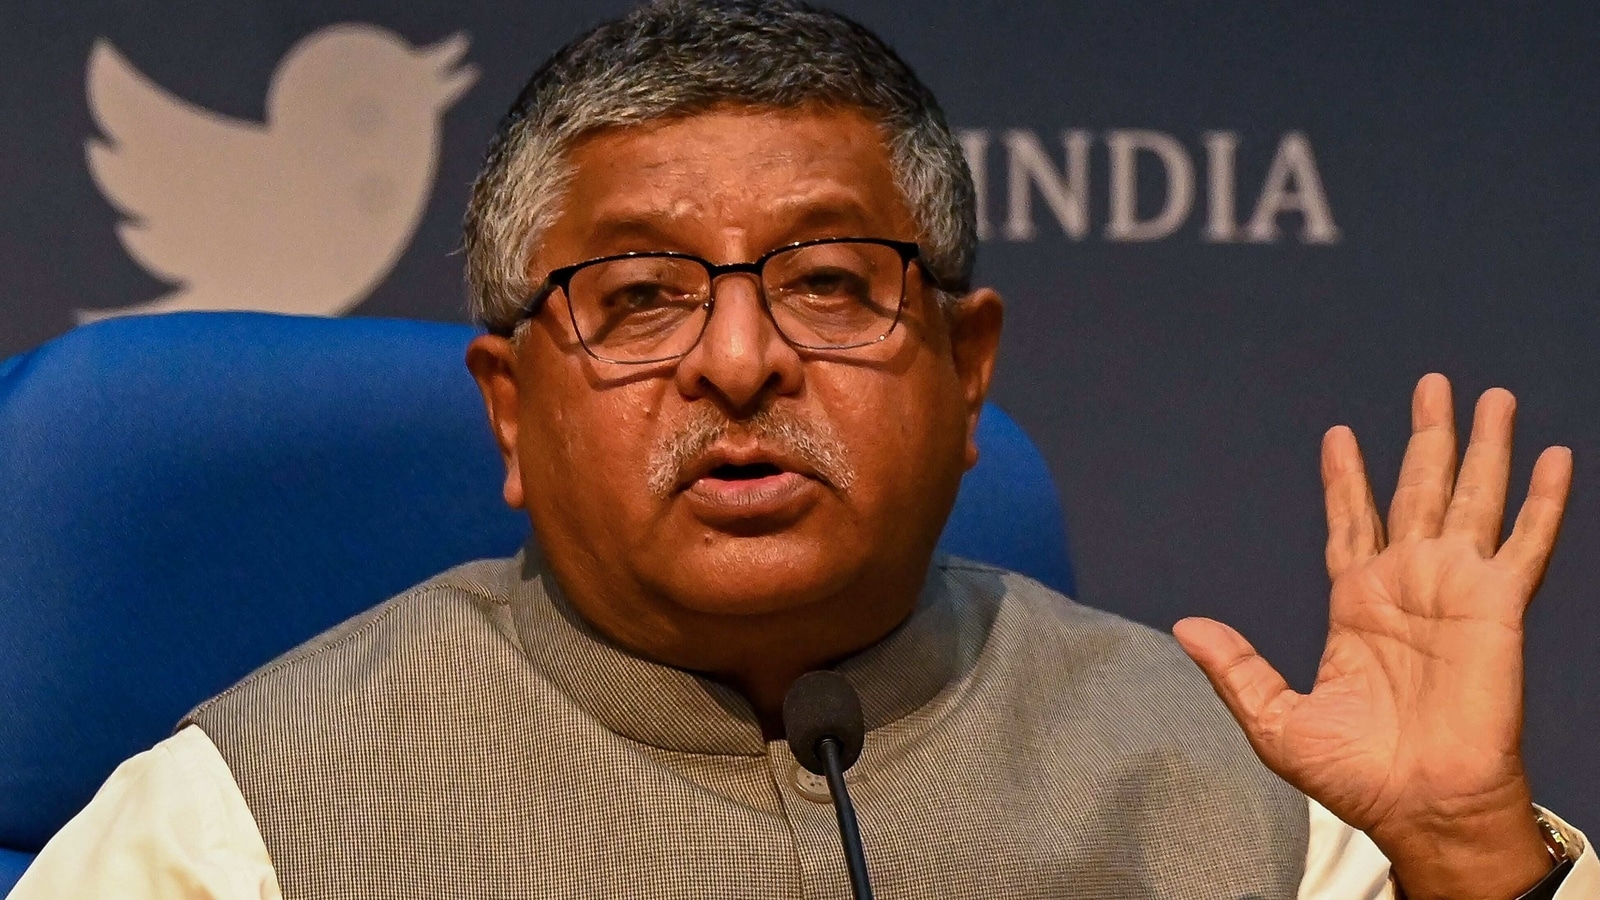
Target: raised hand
x: 1412, y: 730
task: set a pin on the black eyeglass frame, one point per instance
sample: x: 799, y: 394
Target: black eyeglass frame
x: 561, y: 279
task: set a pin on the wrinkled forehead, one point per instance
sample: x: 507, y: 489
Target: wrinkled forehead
x: 769, y: 172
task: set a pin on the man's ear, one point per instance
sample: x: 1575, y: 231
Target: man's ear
x: 493, y: 362
x: 974, y: 341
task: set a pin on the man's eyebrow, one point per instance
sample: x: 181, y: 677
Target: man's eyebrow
x: 808, y: 215
x: 655, y: 229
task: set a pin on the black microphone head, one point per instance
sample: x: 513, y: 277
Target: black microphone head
x: 823, y: 704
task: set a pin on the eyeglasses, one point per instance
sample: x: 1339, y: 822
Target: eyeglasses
x: 637, y: 308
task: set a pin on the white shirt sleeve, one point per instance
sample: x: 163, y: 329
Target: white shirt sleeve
x: 168, y: 823
x: 1341, y: 862
x: 1344, y: 864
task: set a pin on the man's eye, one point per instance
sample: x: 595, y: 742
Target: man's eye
x: 830, y: 283
x: 639, y: 296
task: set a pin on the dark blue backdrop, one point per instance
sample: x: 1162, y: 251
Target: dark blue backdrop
x: 1177, y: 386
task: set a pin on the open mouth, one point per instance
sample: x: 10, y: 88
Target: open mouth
x: 749, y: 496
x: 744, y: 471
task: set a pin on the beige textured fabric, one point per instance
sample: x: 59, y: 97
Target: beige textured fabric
x: 471, y: 738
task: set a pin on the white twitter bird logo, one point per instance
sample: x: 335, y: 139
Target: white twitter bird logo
x: 303, y: 213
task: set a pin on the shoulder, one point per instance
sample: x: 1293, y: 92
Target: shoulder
x: 1123, y: 698
x: 1093, y: 665
x: 1041, y: 619
x: 414, y: 626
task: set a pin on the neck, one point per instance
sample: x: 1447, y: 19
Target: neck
x: 765, y: 691
x: 759, y: 656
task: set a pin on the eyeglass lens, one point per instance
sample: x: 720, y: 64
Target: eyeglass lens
x: 821, y: 296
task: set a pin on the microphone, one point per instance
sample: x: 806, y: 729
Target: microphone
x: 822, y: 722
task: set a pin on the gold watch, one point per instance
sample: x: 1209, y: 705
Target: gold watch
x: 1560, y: 846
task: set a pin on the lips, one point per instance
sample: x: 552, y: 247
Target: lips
x: 732, y: 486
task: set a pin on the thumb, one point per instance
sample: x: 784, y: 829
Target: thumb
x: 1252, y: 689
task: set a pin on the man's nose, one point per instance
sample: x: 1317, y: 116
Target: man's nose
x: 741, y: 358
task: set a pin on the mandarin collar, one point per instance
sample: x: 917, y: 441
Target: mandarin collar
x: 678, y: 710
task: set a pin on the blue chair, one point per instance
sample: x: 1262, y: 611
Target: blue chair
x: 186, y: 496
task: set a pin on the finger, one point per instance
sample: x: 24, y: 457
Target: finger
x: 1249, y: 686
x: 1429, y: 467
x: 1355, y: 533
x: 1532, y: 539
x: 1478, y: 505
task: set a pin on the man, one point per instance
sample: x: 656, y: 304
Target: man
x: 734, y: 366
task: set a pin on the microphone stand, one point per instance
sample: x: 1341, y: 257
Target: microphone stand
x: 849, y: 832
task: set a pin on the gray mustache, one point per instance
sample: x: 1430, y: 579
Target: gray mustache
x: 816, y: 443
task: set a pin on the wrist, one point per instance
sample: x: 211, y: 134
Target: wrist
x: 1491, y: 858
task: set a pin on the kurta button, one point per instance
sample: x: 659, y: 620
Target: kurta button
x: 810, y: 786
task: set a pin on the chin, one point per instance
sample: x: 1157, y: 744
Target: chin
x: 759, y: 576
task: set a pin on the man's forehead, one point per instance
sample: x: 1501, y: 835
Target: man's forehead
x: 737, y: 142
x: 802, y: 170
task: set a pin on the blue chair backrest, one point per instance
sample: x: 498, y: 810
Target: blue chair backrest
x: 184, y: 497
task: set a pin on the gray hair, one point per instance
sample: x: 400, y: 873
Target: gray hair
x: 673, y: 58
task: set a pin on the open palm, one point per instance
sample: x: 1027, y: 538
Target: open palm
x: 1412, y: 729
